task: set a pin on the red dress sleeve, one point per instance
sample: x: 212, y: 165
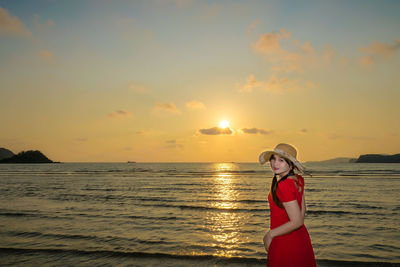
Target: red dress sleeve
x: 286, y: 190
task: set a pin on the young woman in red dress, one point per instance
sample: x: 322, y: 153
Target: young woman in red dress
x: 287, y: 242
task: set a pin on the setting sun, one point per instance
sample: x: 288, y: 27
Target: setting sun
x: 223, y: 124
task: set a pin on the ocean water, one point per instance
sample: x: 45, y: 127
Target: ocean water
x: 189, y: 214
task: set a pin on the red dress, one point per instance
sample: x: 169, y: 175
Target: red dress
x: 293, y: 249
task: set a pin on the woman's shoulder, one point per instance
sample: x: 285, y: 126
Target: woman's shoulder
x: 294, y: 178
x: 291, y: 182
x: 288, y: 182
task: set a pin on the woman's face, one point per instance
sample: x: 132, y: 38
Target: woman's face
x: 279, y: 165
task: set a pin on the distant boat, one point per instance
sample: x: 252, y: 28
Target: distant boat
x: 131, y: 161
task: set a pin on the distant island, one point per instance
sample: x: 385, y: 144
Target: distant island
x: 367, y: 158
x: 335, y: 160
x: 31, y: 156
x: 5, y: 153
x: 378, y: 158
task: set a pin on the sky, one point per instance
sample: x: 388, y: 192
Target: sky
x: 151, y: 81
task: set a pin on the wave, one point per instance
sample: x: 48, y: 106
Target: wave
x: 210, y: 260
x: 340, y: 212
x: 80, y: 237
x: 182, y: 207
x: 191, y: 207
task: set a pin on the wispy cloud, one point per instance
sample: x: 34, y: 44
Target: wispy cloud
x: 250, y: 84
x: 120, y: 114
x: 195, y: 105
x: 270, y: 42
x: 303, y: 131
x: 173, y: 144
x: 168, y: 107
x: 377, y: 50
x: 255, y: 131
x: 252, y: 27
x: 291, y: 55
x: 329, y: 53
x: 275, y: 84
x: 216, y: 131
x: 145, y: 132
x: 381, y: 49
x: 10, y: 25
x: 46, y: 55
x: 286, y: 56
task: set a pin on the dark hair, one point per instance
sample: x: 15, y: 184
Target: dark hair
x: 275, y: 182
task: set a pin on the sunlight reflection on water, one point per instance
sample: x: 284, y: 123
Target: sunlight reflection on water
x: 225, y: 225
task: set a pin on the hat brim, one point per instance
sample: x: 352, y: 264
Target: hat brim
x: 265, y: 156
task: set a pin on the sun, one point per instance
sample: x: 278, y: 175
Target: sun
x: 223, y: 124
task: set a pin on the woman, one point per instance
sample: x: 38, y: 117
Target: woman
x: 287, y: 242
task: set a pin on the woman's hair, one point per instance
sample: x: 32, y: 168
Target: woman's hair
x: 275, y: 182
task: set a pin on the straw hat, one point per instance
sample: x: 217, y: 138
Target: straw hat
x: 286, y: 151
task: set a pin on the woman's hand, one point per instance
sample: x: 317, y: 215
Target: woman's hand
x: 267, y: 240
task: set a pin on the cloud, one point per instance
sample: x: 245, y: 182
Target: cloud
x: 252, y: 27
x: 366, y: 61
x: 288, y: 55
x: 250, y: 84
x: 277, y: 84
x: 377, y: 50
x: 120, y: 114
x: 46, y: 55
x: 216, y: 131
x: 381, y: 49
x: 303, y: 131
x: 10, y: 25
x: 269, y: 43
x: 274, y: 84
x: 195, y: 105
x: 173, y: 144
x: 255, y: 131
x: 145, y: 132
x: 328, y: 53
x: 169, y: 107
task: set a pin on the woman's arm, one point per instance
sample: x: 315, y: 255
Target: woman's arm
x: 304, y: 207
x: 296, y: 220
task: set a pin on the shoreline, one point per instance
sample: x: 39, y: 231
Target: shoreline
x: 22, y: 256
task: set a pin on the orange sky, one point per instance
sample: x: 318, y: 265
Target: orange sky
x: 151, y: 80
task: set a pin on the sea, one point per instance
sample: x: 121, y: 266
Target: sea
x: 189, y: 214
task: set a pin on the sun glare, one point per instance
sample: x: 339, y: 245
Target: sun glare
x: 223, y: 124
